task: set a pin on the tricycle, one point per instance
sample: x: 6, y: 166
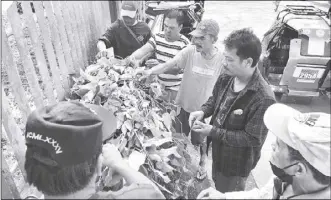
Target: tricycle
x: 296, y: 52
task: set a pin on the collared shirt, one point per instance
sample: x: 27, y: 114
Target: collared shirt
x: 165, y: 51
x: 237, y: 139
x: 199, y: 77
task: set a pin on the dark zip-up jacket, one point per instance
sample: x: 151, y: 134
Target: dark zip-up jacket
x: 237, y: 139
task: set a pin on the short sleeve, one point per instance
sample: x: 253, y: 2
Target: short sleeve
x: 109, y: 36
x: 152, y: 41
x: 182, y: 57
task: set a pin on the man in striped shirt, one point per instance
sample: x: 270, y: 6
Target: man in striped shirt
x: 166, y: 45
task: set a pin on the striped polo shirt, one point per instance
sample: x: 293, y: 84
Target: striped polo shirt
x: 165, y: 51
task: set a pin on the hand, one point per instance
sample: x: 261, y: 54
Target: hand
x: 211, y: 193
x: 103, y: 53
x: 195, y: 116
x: 111, y: 155
x: 202, y: 128
x: 151, y: 63
x: 129, y: 61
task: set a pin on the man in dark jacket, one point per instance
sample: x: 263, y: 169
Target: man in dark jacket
x: 126, y: 34
x: 240, y: 98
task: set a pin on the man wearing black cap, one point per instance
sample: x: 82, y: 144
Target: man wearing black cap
x: 126, y: 34
x: 65, y: 155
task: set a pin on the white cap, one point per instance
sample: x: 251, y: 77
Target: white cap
x: 308, y: 133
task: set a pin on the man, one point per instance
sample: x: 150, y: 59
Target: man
x: 239, y: 100
x: 125, y: 35
x: 64, y: 155
x: 300, y: 159
x: 166, y: 45
x: 200, y: 63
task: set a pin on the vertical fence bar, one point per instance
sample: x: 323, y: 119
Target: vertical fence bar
x: 69, y: 7
x: 81, y: 31
x: 39, y: 9
x: 72, y: 8
x: 56, y: 40
x: 8, y: 181
x: 37, y: 48
x: 14, y: 77
x: 22, y: 46
x: 69, y: 31
x: 86, y: 30
x: 94, y: 34
x: 14, y: 133
x: 63, y: 35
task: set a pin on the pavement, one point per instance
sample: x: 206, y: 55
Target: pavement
x: 259, y: 15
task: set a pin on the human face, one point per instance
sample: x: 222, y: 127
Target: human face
x: 280, y: 154
x: 171, y: 29
x: 203, y: 43
x: 128, y: 20
x: 233, y: 65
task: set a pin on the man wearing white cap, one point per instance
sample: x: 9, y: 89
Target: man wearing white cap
x: 300, y: 159
x: 126, y: 34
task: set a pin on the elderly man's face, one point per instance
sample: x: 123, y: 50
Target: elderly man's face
x: 280, y: 154
x: 203, y: 43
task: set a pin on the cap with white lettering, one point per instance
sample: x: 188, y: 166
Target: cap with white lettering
x: 70, y: 131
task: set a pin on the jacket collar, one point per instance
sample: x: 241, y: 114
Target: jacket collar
x: 255, y: 81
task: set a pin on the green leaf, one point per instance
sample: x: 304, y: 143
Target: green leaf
x: 165, y: 178
x: 155, y: 157
x: 175, y: 162
x: 128, y: 124
x: 136, y: 159
x: 173, y: 115
x: 170, y: 151
x: 157, y: 133
x: 164, y: 167
x: 166, y: 118
x: 156, y: 141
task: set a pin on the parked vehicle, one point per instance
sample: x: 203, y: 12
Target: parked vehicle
x: 296, y: 52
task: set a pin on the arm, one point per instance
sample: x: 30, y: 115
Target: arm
x: 208, y: 108
x: 108, y: 37
x: 141, y: 52
x: 129, y: 174
x: 178, y: 60
x: 254, y: 132
x: 101, y: 45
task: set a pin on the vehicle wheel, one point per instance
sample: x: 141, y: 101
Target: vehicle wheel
x: 278, y: 96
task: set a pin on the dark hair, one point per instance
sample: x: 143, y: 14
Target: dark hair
x: 176, y: 14
x: 247, y: 44
x: 318, y: 176
x: 55, y: 180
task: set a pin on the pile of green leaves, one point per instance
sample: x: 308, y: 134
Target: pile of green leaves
x: 144, y: 135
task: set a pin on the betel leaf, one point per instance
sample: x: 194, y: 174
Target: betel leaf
x: 166, y: 118
x: 136, y: 159
x: 165, y: 178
